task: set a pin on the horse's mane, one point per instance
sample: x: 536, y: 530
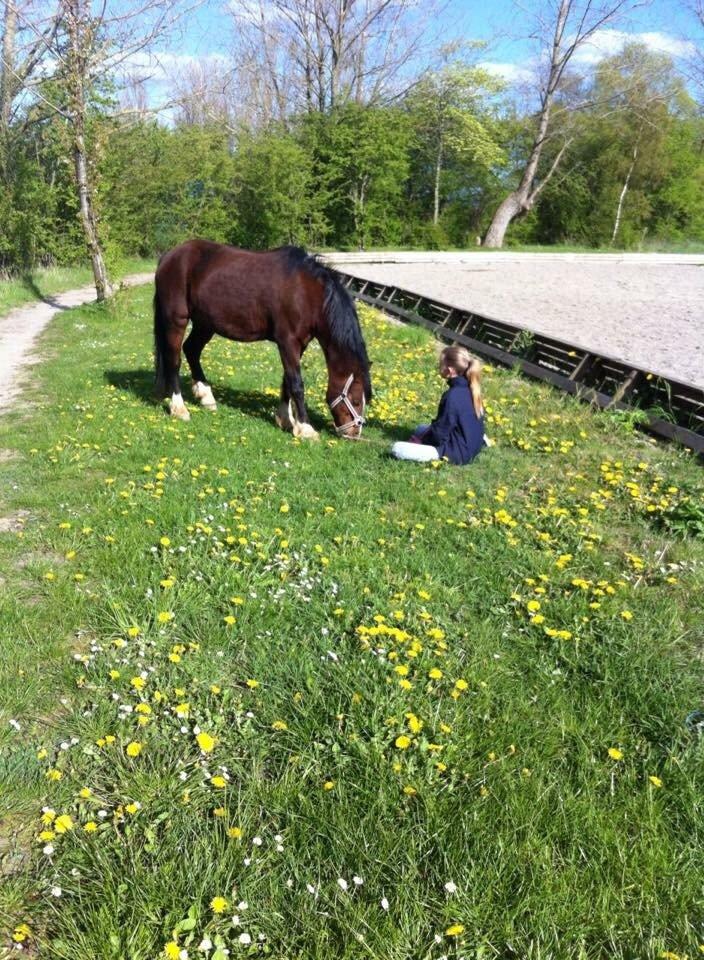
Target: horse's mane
x: 338, y: 307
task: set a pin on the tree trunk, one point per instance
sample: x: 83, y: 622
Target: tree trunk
x: 624, y: 191
x: 103, y: 288
x: 6, y: 68
x: 7, y: 84
x: 508, y: 209
x: 77, y: 67
x: 436, y: 197
x: 523, y: 197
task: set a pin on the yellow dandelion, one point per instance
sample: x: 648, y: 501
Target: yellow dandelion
x: 218, y: 904
x: 615, y: 753
x: 134, y: 748
x: 403, y: 742
x: 206, y: 742
x: 455, y: 930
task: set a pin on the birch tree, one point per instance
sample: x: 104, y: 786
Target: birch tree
x: 27, y: 36
x: 98, y: 40
x: 641, y: 90
x: 563, y: 28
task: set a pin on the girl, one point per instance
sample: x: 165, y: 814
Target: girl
x: 457, y: 432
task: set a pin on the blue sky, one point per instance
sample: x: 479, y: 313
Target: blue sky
x: 664, y: 25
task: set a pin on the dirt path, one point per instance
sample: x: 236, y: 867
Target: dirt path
x: 20, y: 328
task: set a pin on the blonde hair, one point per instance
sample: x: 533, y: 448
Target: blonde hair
x: 461, y: 360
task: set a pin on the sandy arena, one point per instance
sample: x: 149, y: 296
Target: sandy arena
x: 644, y: 308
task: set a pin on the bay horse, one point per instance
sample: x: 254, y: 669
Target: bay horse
x: 285, y: 295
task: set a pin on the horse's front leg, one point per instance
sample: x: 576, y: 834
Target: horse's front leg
x: 284, y: 415
x: 292, y: 414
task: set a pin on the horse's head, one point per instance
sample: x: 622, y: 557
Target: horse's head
x: 347, y: 401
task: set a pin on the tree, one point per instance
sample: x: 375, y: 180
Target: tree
x: 26, y: 39
x: 94, y: 44
x: 642, y: 91
x: 277, y: 198
x: 562, y: 31
x: 315, y: 55
x: 363, y: 156
x: 450, y: 117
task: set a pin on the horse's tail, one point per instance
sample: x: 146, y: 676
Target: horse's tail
x: 160, y: 346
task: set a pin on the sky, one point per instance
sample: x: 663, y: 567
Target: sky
x: 663, y: 25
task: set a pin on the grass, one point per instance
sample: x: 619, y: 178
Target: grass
x: 16, y: 291
x: 410, y: 676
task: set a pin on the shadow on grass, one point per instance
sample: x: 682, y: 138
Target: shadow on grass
x: 51, y: 299
x: 253, y: 403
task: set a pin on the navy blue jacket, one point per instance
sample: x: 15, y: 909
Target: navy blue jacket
x: 457, y: 432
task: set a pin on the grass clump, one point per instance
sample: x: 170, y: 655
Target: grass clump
x: 305, y: 701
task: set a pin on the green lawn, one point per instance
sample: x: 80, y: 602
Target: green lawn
x: 47, y: 281
x: 305, y: 701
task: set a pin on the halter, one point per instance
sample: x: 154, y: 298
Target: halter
x: 357, y: 419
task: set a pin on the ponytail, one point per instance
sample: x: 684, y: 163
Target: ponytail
x: 461, y: 360
x: 473, y: 375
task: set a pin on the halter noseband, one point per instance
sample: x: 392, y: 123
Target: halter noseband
x: 357, y: 419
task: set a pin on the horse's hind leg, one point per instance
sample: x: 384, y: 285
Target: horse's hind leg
x: 174, y: 339
x: 193, y: 347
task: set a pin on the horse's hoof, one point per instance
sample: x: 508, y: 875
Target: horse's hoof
x: 304, y: 431
x: 204, y: 393
x: 282, y: 418
x: 180, y: 413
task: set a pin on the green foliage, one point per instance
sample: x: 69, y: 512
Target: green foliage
x: 277, y: 198
x: 369, y: 175
x: 362, y: 155
x: 686, y: 518
x: 648, y: 142
x: 164, y: 186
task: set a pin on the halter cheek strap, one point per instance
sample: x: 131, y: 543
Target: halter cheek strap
x: 357, y: 419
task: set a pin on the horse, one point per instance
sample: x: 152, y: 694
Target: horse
x: 285, y: 295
